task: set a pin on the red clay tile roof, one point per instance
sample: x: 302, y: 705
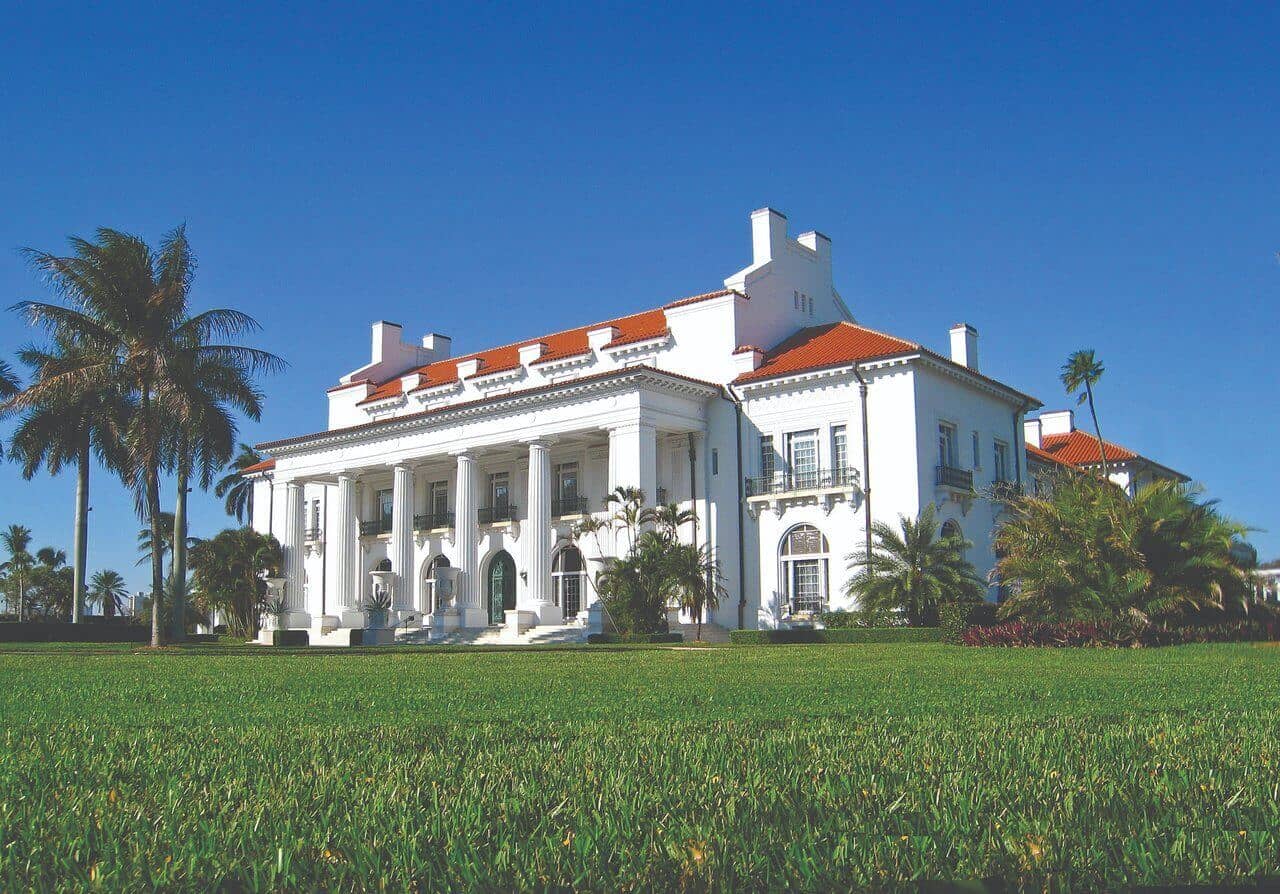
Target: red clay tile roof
x: 1080, y: 448
x: 1044, y: 456
x: 560, y: 345
x: 265, y: 466
x: 819, y: 347
x: 694, y: 299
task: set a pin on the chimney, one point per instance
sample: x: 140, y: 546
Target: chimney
x: 386, y: 340
x: 747, y: 358
x: 531, y: 352
x: 964, y: 345
x: 1031, y: 432
x: 768, y: 234
x: 599, y: 337
x: 1058, y: 422
x: 439, y: 345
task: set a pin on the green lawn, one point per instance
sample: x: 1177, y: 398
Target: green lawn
x: 761, y: 767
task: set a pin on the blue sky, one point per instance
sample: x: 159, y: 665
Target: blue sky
x: 1106, y: 179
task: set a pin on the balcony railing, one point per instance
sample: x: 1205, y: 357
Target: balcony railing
x: 1005, y: 491
x: 490, y: 514
x: 789, y: 482
x: 950, y: 476
x: 379, y: 526
x: 431, y: 521
x: 313, y: 534
x: 570, y: 506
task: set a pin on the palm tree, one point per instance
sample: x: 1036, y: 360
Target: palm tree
x: 695, y: 580
x: 167, y: 531
x: 62, y: 430
x: 228, y: 576
x: 129, y: 307
x: 204, y: 437
x: 9, y: 386
x: 914, y: 570
x: 107, y: 588
x: 237, y: 489
x: 16, y: 540
x: 1082, y: 371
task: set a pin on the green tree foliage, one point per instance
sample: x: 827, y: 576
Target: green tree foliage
x: 234, y: 488
x: 16, y: 569
x: 1085, y: 551
x: 657, y: 569
x: 1079, y: 374
x: 227, y: 576
x: 128, y: 307
x: 108, y: 590
x: 914, y: 570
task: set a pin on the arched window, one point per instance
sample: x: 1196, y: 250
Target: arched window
x: 804, y: 554
x: 429, y: 605
x: 568, y: 579
x: 951, y: 528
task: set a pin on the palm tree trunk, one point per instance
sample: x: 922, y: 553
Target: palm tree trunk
x: 157, y: 557
x: 81, y: 543
x: 178, y: 563
x: 1102, y: 450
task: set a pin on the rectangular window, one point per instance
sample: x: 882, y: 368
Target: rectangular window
x: 384, y: 509
x: 806, y: 586
x: 567, y: 482
x: 500, y: 490
x: 977, y: 452
x: 802, y: 458
x: 839, y: 455
x: 947, y: 445
x: 768, y: 458
x: 439, y: 501
x: 1000, y: 471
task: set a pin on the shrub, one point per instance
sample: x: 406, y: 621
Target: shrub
x: 65, y: 632
x: 837, y: 635
x: 1116, y: 633
x: 955, y: 617
x: 610, y: 638
x: 869, y: 617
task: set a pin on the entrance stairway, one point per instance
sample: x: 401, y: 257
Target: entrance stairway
x: 498, y: 636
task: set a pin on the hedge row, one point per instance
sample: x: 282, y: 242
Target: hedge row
x: 1118, y: 633
x: 954, y: 618
x: 66, y: 632
x: 598, y: 639
x: 848, y: 635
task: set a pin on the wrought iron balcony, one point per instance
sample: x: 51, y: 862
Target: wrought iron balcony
x: 790, y: 482
x: 431, y: 521
x: 313, y: 534
x: 372, y: 528
x: 950, y: 476
x: 570, y: 506
x: 490, y: 514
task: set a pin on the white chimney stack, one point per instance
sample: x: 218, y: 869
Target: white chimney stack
x: 1031, y: 432
x: 768, y: 234
x: 964, y: 345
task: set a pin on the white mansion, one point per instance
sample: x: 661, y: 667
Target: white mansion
x: 454, y: 483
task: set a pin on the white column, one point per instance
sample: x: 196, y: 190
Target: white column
x: 466, y: 540
x: 537, y: 534
x: 292, y: 545
x: 402, y: 535
x: 633, y: 458
x: 343, y: 544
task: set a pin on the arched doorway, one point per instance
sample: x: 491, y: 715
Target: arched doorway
x: 502, y: 586
x: 568, y: 575
x: 429, y: 603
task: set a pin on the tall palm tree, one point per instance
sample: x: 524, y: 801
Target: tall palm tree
x: 129, y: 307
x: 235, y: 488
x: 63, y: 430
x: 203, y: 439
x: 1079, y: 374
x: 9, y: 386
x: 17, y: 540
x: 914, y: 570
x: 107, y: 589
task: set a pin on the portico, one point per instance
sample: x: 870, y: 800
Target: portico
x: 488, y: 503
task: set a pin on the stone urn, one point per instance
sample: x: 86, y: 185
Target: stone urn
x: 275, y: 595
x: 384, y: 585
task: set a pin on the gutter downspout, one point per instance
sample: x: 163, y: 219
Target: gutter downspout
x: 1019, y: 453
x: 742, y: 538
x: 866, y: 460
